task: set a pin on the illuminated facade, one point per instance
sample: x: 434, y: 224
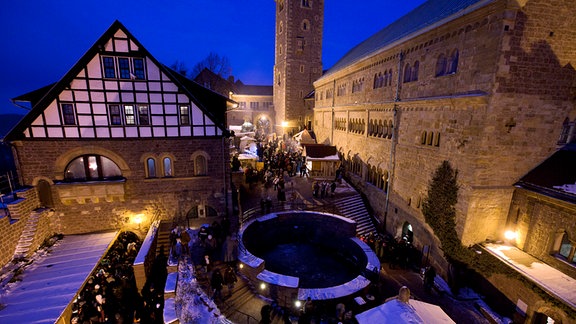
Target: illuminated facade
x: 122, y: 139
x: 297, y: 61
x: 487, y: 85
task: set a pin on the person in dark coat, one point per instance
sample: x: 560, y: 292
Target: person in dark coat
x: 429, y: 277
x: 216, y: 283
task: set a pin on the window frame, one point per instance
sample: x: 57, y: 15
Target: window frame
x: 109, y: 67
x: 100, y: 168
x: 68, y: 113
x: 143, y: 116
x: 184, y: 114
x: 115, y: 117
x: 149, y: 173
x: 139, y: 70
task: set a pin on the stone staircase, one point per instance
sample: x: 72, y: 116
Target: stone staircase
x: 244, y: 303
x: 353, y: 207
x: 27, y: 237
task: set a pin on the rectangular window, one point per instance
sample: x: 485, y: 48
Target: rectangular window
x: 109, y: 71
x: 68, y: 114
x: 184, y: 115
x: 124, y: 67
x: 129, y: 115
x: 254, y: 105
x: 115, y: 116
x: 139, y: 68
x: 242, y: 104
x: 143, y: 116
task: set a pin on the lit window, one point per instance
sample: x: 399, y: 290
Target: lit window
x: 115, y: 116
x: 139, y: 68
x: 143, y: 116
x: 92, y: 168
x: 124, y: 67
x: 184, y: 115
x: 167, y: 166
x: 151, y: 168
x: 68, y: 114
x: 109, y: 71
x: 129, y: 115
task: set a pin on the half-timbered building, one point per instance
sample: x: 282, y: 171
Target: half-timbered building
x: 122, y: 138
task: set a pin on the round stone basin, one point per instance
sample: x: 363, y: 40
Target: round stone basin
x: 296, y: 255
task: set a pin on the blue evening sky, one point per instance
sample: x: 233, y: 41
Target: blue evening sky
x: 40, y: 40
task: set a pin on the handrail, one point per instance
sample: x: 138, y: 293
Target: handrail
x: 256, y: 212
x: 249, y: 317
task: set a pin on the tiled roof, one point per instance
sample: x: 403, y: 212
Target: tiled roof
x: 254, y: 90
x: 426, y: 15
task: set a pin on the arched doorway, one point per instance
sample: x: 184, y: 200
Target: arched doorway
x: 44, y: 193
x: 407, y: 232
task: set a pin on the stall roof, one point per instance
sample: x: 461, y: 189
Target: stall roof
x: 51, y: 281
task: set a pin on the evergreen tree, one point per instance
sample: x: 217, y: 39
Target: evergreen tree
x: 439, y: 208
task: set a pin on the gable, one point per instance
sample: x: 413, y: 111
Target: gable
x: 118, y: 90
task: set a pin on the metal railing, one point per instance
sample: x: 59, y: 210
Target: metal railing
x: 275, y: 207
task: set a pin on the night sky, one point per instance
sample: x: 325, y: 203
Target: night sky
x: 40, y: 40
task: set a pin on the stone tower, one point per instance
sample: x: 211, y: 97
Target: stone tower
x: 298, y: 61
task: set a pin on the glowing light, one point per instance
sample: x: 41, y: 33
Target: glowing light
x: 241, y: 266
x: 93, y: 166
x: 262, y: 286
x: 298, y: 304
x: 138, y: 218
x: 284, y: 124
x: 510, y: 235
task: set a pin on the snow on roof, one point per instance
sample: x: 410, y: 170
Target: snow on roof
x: 548, y: 278
x: 50, y: 283
x: 395, y: 311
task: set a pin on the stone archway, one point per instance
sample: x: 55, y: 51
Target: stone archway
x: 407, y: 232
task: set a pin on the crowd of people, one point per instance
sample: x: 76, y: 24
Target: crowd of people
x: 110, y: 295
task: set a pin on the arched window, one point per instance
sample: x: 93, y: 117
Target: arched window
x: 423, y: 138
x: 430, y: 138
x: 167, y: 166
x: 407, y: 73
x: 390, y: 129
x: 375, y: 81
x: 150, y: 168
x: 566, y: 248
x: 385, y: 181
x: 92, y: 168
x: 453, y: 62
x: 390, y: 77
x: 437, y: 140
x: 415, y: 69
x: 305, y: 26
x: 200, y: 166
x: 441, y: 65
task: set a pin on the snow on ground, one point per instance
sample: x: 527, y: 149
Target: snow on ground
x: 49, y: 283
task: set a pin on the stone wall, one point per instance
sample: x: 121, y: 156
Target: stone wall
x: 83, y: 207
